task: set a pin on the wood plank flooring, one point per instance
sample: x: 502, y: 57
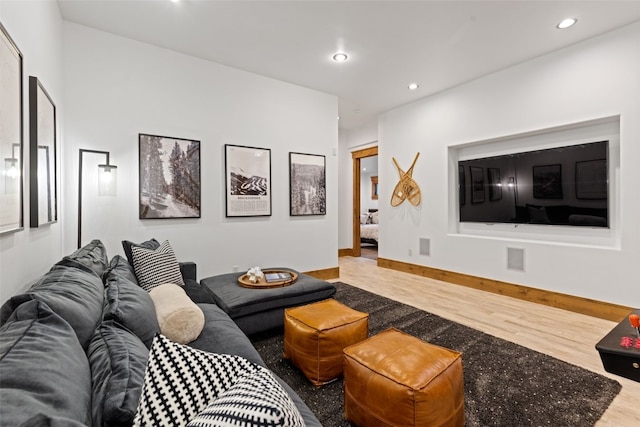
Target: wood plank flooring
x: 562, y: 334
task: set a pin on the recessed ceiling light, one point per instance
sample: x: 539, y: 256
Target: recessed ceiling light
x: 413, y: 86
x: 175, y: 1
x: 340, y: 57
x: 566, y: 23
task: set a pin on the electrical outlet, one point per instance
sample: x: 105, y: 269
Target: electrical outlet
x: 235, y: 268
x: 410, y: 252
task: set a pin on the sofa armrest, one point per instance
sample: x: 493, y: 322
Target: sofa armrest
x: 188, y: 270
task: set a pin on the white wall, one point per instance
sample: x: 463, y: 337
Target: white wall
x: 36, y: 28
x: 116, y: 88
x: 594, y: 79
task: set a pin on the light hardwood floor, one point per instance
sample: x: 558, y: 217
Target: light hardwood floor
x: 562, y: 334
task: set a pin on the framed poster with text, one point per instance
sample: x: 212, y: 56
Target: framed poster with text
x: 247, y: 181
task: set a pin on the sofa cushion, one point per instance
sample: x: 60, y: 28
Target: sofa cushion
x: 127, y: 303
x: 74, y: 294
x: 93, y: 256
x: 180, y: 382
x: 180, y: 319
x: 156, y: 267
x: 127, y: 245
x: 42, y: 420
x: 117, y: 359
x: 43, y: 368
x: 222, y: 335
x: 255, y: 399
x: 119, y: 266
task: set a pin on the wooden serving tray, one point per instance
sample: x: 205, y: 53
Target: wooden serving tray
x: 263, y: 284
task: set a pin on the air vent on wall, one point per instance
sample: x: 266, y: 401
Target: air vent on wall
x: 425, y: 246
x: 515, y: 259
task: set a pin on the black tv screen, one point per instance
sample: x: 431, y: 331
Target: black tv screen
x: 559, y: 186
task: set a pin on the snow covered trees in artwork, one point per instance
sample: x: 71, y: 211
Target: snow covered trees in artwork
x: 169, y: 177
x: 308, y: 186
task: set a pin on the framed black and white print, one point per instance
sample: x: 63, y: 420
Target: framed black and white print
x: 477, y: 184
x: 42, y: 152
x: 247, y: 181
x: 11, y: 136
x: 547, y: 182
x: 169, y: 177
x: 307, y: 184
x: 495, y: 184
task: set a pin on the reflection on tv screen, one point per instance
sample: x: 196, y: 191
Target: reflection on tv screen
x: 559, y: 186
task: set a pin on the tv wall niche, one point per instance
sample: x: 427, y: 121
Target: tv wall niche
x: 566, y: 185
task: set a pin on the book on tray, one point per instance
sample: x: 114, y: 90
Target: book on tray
x: 277, y: 277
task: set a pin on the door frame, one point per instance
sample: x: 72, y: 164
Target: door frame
x: 356, y: 156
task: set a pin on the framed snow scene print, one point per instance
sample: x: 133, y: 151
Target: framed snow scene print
x: 307, y: 185
x: 248, y: 181
x: 169, y: 177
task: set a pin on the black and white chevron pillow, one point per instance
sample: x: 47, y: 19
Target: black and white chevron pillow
x: 156, y: 267
x: 181, y: 381
x: 256, y: 400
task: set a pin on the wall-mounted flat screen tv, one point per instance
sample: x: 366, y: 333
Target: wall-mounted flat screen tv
x: 559, y: 186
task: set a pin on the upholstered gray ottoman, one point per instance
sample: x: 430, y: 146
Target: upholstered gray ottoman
x: 258, y: 310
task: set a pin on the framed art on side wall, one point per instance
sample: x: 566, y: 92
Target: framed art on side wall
x: 11, y: 136
x: 247, y: 181
x: 169, y: 177
x: 307, y: 184
x: 42, y: 153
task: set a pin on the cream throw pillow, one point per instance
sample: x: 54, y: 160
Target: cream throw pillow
x: 180, y: 319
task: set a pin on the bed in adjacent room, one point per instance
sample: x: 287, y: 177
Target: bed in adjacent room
x: 369, y: 227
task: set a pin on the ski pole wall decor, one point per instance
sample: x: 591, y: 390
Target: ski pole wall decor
x: 406, y: 188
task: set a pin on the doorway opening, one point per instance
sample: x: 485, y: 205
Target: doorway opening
x: 365, y: 202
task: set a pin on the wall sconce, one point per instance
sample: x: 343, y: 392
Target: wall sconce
x: 511, y: 183
x: 107, y: 184
x: 11, y: 170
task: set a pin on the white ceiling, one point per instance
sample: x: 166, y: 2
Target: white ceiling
x: 438, y: 44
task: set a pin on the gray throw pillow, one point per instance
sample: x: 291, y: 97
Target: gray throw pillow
x: 118, y: 359
x: 127, y: 303
x: 93, y: 256
x: 127, y: 245
x: 43, y: 368
x: 74, y: 294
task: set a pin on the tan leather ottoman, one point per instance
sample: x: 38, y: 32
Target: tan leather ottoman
x: 316, y: 334
x: 395, y: 379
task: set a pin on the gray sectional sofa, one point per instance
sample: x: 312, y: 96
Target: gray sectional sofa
x: 74, y: 347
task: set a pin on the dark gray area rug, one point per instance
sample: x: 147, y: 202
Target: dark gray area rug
x: 505, y: 384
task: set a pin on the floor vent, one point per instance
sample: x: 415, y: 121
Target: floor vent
x: 425, y: 246
x: 515, y: 259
